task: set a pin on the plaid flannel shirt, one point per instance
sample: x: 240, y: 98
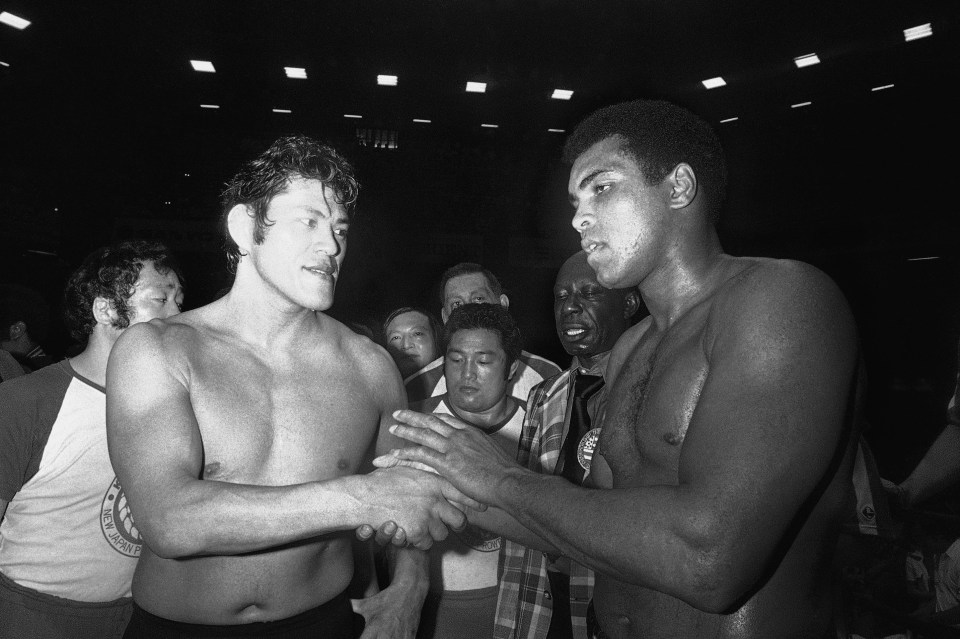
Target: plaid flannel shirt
x: 524, y: 604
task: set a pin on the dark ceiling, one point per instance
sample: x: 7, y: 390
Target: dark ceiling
x: 102, y: 129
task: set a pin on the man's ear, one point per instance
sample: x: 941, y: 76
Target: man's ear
x: 504, y: 301
x: 682, y: 183
x: 631, y: 303
x: 513, y: 369
x: 444, y: 315
x: 240, y: 225
x: 104, y: 312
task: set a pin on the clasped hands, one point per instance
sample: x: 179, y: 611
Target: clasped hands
x: 463, y: 455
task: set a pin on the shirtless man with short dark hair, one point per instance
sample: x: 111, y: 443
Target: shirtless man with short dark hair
x: 237, y: 430
x: 727, y: 441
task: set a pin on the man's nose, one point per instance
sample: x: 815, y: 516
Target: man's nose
x: 582, y: 219
x: 571, y: 305
x: 326, y: 241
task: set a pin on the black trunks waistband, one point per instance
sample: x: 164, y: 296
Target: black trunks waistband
x: 334, y: 619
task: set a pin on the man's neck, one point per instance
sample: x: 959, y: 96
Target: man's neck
x: 261, y: 315
x: 487, y: 419
x: 593, y: 364
x: 92, y: 362
x: 687, y: 274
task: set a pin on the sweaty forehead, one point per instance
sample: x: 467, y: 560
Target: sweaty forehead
x: 311, y: 193
x: 607, y: 154
x: 152, y: 279
x: 473, y: 340
x: 410, y: 319
x: 576, y: 269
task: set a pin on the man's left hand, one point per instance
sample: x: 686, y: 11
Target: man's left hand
x: 466, y: 457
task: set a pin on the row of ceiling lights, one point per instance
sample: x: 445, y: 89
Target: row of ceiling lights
x: 810, y: 59
x: 300, y: 73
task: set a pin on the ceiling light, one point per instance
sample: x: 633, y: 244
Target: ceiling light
x: 922, y: 259
x: 295, y: 72
x: 733, y: 119
x: 713, y: 83
x: 562, y: 94
x: 351, y: 115
x: 4, y: 64
x: 915, y: 33
x: 476, y: 87
x: 203, y: 66
x: 556, y: 130
x: 209, y: 106
x: 806, y: 60
x: 800, y: 104
x: 421, y: 121
x: 490, y: 126
x: 886, y: 86
x: 387, y: 80
x: 282, y: 111
x: 14, y: 21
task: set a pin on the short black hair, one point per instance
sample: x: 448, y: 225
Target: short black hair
x: 262, y: 179
x: 468, y: 268
x: 111, y: 272
x: 492, y: 317
x: 658, y: 135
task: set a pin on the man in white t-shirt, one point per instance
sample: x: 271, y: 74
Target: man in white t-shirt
x: 481, y: 359
x: 68, y: 546
x: 469, y: 283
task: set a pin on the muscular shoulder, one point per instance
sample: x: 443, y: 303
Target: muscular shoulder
x: 780, y: 301
x: 779, y: 286
x: 374, y: 360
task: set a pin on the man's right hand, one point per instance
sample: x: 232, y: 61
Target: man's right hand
x: 422, y: 505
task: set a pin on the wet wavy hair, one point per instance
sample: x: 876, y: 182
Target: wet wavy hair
x: 658, y: 135
x: 492, y: 317
x: 262, y: 179
x: 111, y: 272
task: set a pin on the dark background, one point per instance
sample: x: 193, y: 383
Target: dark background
x: 102, y: 138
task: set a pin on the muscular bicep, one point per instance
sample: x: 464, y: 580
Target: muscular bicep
x: 770, y: 420
x: 152, y: 432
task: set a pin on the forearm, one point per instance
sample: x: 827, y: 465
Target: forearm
x: 409, y: 572
x: 938, y: 469
x: 202, y: 517
x: 658, y: 537
x: 498, y: 521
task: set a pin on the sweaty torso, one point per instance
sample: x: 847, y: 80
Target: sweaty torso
x: 268, y: 419
x: 654, y: 390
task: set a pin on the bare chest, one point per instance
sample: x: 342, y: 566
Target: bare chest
x: 278, y: 425
x: 650, y: 405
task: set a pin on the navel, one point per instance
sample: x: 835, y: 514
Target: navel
x: 343, y: 464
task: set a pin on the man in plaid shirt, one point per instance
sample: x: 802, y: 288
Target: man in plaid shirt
x: 589, y: 319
